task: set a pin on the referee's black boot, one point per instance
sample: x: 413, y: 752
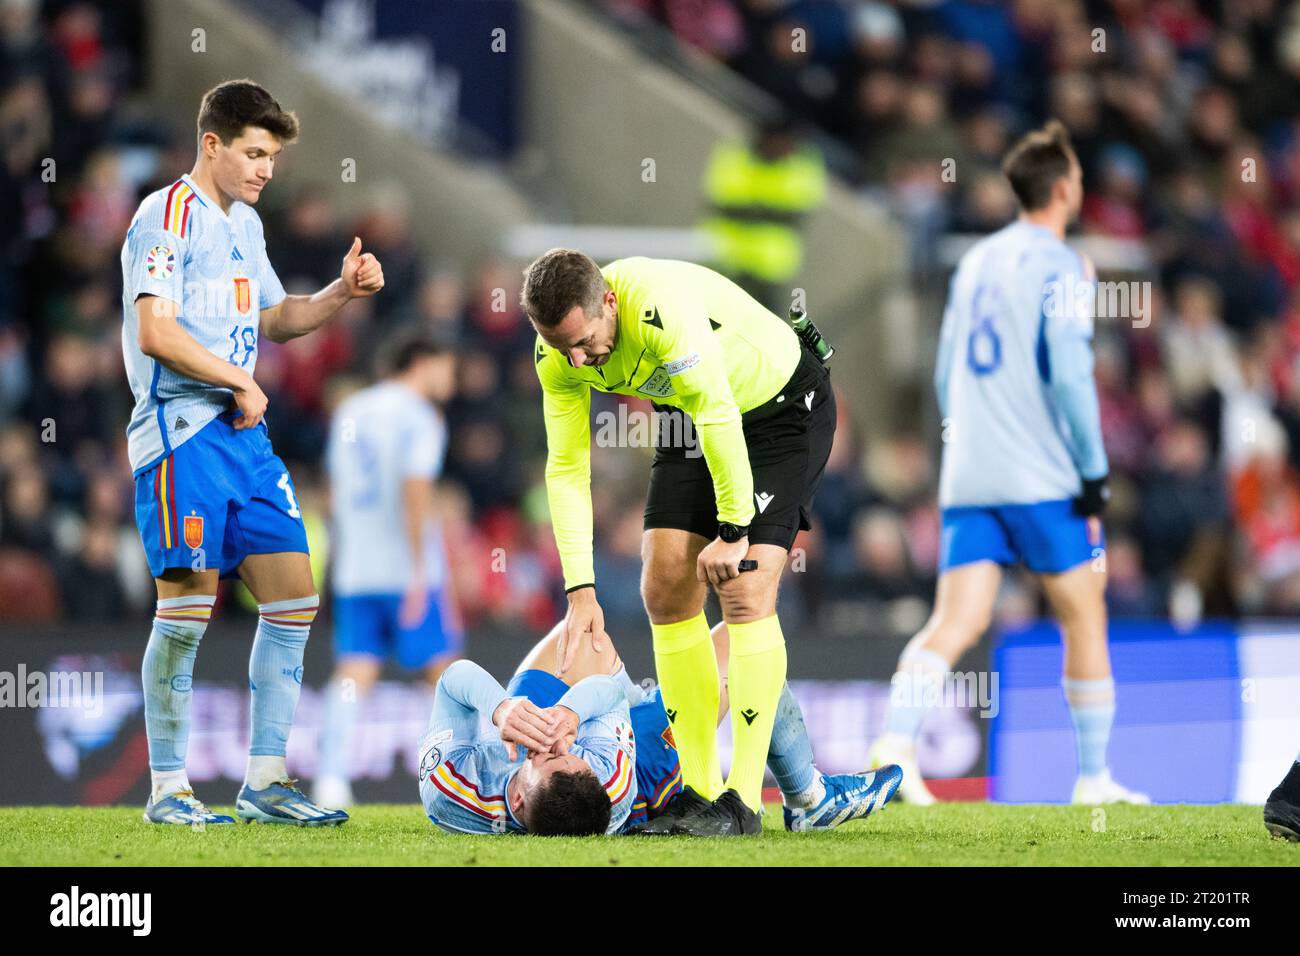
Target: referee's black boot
x: 726, y: 816
x: 684, y: 803
x: 1282, y: 810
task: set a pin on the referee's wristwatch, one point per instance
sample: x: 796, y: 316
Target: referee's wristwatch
x: 731, y: 533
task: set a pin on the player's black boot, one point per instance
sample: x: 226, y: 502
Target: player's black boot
x: 726, y: 816
x: 1282, y: 810
x: 684, y: 803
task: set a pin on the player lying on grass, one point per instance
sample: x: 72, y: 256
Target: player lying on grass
x: 598, y: 753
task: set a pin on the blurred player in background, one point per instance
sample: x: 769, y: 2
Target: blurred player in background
x: 811, y: 800
x: 212, y: 498
x: 762, y: 405
x: 1024, y: 468
x: 389, y: 580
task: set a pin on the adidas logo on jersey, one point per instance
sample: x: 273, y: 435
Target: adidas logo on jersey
x: 763, y: 499
x: 180, y: 423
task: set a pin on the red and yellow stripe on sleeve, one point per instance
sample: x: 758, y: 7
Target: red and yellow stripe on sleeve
x: 461, y: 791
x: 620, y: 782
x: 176, y: 210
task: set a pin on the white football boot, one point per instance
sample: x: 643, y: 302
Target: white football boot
x: 1100, y: 788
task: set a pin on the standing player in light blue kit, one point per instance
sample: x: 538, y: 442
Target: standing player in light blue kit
x: 1024, y: 468
x: 389, y: 566
x: 211, y: 497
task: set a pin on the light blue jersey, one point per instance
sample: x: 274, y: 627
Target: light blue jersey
x: 380, y: 437
x: 1014, y: 373
x: 465, y: 770
x: 182, y: 247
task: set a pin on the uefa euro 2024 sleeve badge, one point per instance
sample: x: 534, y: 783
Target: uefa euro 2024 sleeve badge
x: 161, y: 262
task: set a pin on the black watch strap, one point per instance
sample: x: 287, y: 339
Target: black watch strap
x: 732, y: 532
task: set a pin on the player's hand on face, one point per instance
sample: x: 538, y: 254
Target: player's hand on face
x: 720, y: 560
x: 415, y: 607
x: 522, y: 723
x: 584, y: 621
x: 362, y: 273
x: 251, y: 402
x: 564, y: 725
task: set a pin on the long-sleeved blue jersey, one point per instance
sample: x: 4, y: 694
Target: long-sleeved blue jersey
x: 464, y: 766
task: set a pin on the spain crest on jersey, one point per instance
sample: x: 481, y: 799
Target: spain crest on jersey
x: 160, y: 262
x: 193, y: 531
x: 243, y: 295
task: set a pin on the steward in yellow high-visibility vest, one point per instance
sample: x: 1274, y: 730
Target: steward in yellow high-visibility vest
x: 759, y: 195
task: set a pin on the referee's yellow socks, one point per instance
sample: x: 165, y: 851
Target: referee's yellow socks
x: 755, y: 676
x: 688, y: 675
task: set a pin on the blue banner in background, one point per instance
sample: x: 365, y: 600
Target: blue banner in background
x: 1205, y: 716
x: 433, y: 61
x: 1202, y: 716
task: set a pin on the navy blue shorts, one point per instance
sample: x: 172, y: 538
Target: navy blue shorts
x: 367, y: 624
x: 658, y: 771
x: 1047, y: 536
x: 216, y: 499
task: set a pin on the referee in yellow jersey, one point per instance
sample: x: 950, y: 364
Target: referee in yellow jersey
x: 761, y: 406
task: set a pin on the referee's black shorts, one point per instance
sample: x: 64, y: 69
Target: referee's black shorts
x: 789, y: 439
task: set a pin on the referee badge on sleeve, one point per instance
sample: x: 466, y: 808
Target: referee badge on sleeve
x: 682, y: 364
x: 160, y: 262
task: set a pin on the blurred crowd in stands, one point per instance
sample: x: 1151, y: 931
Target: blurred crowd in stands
x: 1184, y: 116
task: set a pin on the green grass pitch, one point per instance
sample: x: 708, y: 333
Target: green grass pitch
x: 958, y: 834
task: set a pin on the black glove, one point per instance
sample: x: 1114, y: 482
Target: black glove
x: 1094, y: 498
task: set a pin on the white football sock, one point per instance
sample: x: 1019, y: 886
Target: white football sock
x: 264, y: 771
x: 809, y: 798
x: 166, y: 782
